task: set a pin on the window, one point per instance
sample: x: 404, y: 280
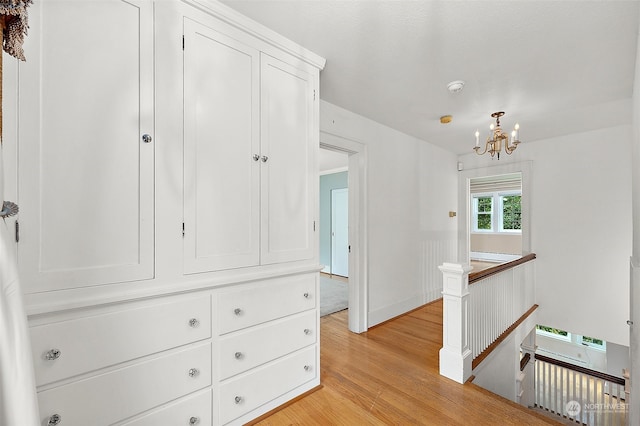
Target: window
x: 593, y: 342
x: 507, y: 217
x: 556, y: 333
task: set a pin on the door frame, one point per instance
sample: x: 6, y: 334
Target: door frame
x: 358, y: 257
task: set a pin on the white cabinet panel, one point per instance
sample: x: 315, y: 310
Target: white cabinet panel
x: 85, y: 175
x: 250, y: 305
x: 92, y: 342
x: 287, y: 180
x: 192, y: 411
x: 117, y: 395
x: 249, y: 348
x: 221, y: 100
x: 247, y: 392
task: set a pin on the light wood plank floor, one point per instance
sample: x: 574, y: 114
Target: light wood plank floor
x: 389, y: 376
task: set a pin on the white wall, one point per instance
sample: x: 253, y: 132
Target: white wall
x: 412, y: 185
x: 581, y: 228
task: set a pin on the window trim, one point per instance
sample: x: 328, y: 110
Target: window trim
x: 496, y: 212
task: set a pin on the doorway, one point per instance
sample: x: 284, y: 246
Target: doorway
x: 356, y: 154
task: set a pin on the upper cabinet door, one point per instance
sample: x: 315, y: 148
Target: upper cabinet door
x: 221, y: 151
x: 289, y: 146
x: 86, y: 177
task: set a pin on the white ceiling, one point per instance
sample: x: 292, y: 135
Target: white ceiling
x: 556, y: 67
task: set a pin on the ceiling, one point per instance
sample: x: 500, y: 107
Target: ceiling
x: 555, y: 67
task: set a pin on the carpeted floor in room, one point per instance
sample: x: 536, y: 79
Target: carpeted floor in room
x: 334, y: 295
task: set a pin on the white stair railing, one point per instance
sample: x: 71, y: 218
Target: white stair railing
x: 475, y: 316
x: 581, y: 395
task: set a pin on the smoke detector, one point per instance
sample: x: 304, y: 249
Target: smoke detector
x: 455, y: 86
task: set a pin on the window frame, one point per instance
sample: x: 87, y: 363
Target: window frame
x: 497, y: 212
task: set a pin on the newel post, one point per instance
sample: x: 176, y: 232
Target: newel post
x: 455, y: 355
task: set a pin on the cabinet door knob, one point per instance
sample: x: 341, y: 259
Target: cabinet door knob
x: 56, y: 419
x: 52, y: 355
x: 238, y: 355
x: 193, y: 322
x: 146, y: 138
x: 193, y: 372
x: 264, y: 158
x: 306, y: 295
x: 256, y: 157
x: 238, y: 399
x: 307, y: 331
x: 307, y: 368
x: 237, y: 311
x: 194, y: 420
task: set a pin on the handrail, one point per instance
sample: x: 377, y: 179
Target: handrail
x: 584, y: 370
x: 477, y: 276
x: 525, y: 360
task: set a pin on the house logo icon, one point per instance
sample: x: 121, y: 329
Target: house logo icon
x: 572, y: 408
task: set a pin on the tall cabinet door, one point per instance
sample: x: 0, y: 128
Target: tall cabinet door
x: 86, y: 177
x: 221, y: 151
x: 288, y: 144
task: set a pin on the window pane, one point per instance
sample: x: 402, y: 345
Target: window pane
x: 484, y: 204
x: 484, y: 221
x: 512, y: 212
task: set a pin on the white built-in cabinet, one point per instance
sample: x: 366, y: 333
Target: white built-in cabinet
x: 249, y: 155
x: 167, y: 184
x: 86, y: 176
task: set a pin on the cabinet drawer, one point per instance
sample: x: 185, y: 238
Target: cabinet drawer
x: 92, y: 342
x: 254, y: 346
x: 120, y: 394
x: 249, y: 305
x: 240, y: 395
x: 193, y: 410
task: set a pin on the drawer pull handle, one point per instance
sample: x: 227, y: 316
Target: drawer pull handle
x: 52, y: 355
x: 307, y: 331
x: 306, y: 295
x: 193, y: 322
x: 237, y: 311
x: 194, y: 420
x: 307, y: 368
x: 264, y: 158
x: 238, y: 355
x: 193, y: 372
x: 54, y: 420
x: 238, y: 399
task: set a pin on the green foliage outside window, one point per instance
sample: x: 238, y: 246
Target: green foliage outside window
x: 595, y: 341
x: 484, y: 212
x: 552, y: 330
x: 512, y: 212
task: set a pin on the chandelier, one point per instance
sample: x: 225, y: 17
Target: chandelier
x: 497, y: 138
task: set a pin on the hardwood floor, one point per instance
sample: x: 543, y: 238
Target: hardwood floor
x: 389, y: 376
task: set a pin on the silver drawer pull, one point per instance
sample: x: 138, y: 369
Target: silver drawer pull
x: 238, y: 355
x: 307, y: 368
x: 307, y: 331
x: 237, y: 311
x: 193, y: 322
x: 306, y: 295
x: 194, y: 420
x: 56, y: 419
x: 264, y: 158
x: 146, y: 138
x: 52, y: 355
x: 256, y: 157
x: 238, y: 399
x: 193, y: 372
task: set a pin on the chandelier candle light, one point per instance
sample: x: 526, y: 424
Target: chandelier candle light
x: 497, y: 137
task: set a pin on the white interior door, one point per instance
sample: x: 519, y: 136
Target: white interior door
x: 340, y: 232
x: 86, y: 177
x: 221, y: 147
